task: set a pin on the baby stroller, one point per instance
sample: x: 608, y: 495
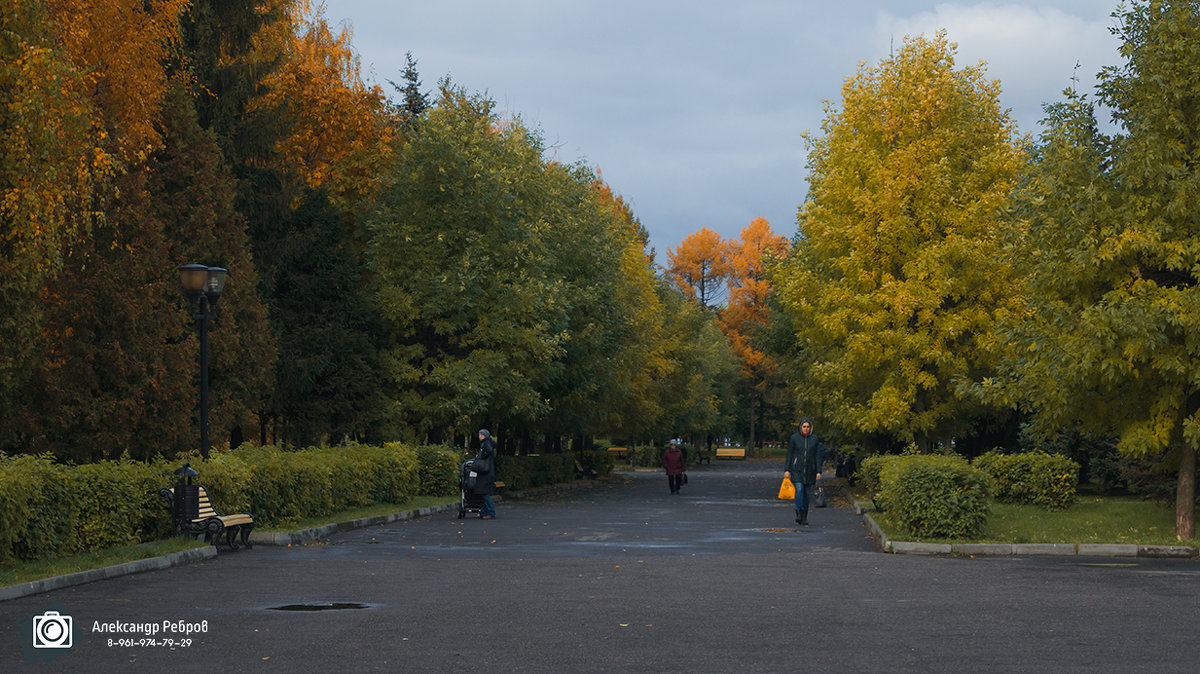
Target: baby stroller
x: 469, y: 501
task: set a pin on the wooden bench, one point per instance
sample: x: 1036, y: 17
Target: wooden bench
x: 583, y: 473
x: 619, y: 452
x: 211, y: 523
x: 731, y: 452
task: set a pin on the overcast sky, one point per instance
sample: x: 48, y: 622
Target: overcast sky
x: 693, y: 110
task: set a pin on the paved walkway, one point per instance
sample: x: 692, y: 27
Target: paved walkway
x: 624, y: 577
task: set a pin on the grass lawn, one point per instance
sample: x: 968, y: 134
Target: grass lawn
x: 14, y: 572
x: 1093, y: 519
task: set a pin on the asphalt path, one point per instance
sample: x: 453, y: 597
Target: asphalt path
x: 621, y: 576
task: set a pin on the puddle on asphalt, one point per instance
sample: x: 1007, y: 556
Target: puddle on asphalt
x: 319, y: 607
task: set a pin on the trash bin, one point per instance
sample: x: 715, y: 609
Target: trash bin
x: 187, y: 498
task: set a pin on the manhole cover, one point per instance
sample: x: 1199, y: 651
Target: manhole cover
x: 318, y: 607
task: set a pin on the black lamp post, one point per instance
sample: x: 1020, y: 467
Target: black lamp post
x: 203, y: 286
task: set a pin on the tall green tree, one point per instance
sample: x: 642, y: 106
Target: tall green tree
x: 193, y: 197
x: 697, y: 386
x: 1111, y: 335
x: 327, y: 374
x: 475, y: 320
x: 414, y: 101
x: 895, y: 279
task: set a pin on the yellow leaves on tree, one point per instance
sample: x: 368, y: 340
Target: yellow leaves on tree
x: 897, y: 277
x: 339, y: 137
x: 82, y: 93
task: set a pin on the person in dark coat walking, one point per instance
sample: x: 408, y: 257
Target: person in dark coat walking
x: 674, y: 464
x: 484, y: 466
x: 805, y: 456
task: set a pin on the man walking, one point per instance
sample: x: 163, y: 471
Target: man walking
x: 805, y: 457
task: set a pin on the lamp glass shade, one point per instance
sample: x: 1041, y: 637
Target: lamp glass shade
x: 193, y: 277
x: 215, y: 285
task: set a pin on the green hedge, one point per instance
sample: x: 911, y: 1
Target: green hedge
x: 438, y: 470
x: 869, y: 470
x: 1036, y: 478
x: 49, y: 510
x: 279, y: 487
x: 935, y: 496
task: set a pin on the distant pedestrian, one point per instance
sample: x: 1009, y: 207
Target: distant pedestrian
x: 803, y: 466
x: 674, y: 464
x: 484, y: 466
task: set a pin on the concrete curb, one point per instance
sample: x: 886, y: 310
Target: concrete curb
x: 137, y: 566
x: 1027, y: 549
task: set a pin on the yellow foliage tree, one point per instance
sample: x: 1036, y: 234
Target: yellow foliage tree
x: 896, y: 278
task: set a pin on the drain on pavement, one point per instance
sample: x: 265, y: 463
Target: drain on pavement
x: 318, y: 607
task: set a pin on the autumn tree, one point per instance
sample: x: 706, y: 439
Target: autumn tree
x: 896, y: 279
x: 1109, y: 338
x: 699, y: 266
x: 50, y: 171
x: 333, y: 133
x: 745, y: 315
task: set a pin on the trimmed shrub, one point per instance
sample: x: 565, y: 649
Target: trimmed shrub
x: 1034, y: 478
x: 599, y: 461
x: 37, y: 509
x: 438, y: 470
x: 869, y: 471
x: 47, y: 509
x: 936, y: 496
x: 118, y: 503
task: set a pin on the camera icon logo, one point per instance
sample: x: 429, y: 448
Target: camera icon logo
x: 51, y: 630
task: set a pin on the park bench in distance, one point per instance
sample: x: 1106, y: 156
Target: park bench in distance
x: 731, y: 452
x: 212, y: 524
x: 619, y: 452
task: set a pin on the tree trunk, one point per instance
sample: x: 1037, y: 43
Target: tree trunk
x: 1185, y: 494
x: 750, y: 445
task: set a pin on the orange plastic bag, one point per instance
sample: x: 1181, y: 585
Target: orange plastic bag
x: 787, y: 490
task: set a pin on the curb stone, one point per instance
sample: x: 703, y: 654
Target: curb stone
x: 137, y: 566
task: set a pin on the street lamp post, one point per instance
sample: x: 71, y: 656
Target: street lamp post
x: 203, y: 286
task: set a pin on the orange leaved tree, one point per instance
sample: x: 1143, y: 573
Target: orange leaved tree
x: 746, y: 313
x: 700, y: 266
